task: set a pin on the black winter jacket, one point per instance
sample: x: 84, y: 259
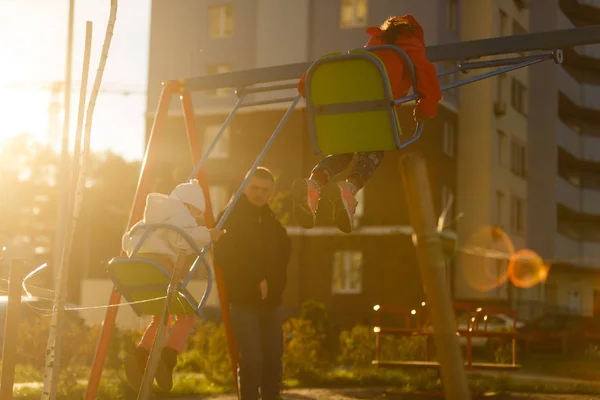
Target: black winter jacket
x: 255, y: 247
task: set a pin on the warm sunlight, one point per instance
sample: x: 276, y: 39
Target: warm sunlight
x: 36, y: 61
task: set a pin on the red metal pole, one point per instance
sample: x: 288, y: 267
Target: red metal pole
x: 196, y: 149
x: 136, y: 214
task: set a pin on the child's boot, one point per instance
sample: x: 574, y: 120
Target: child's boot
x: 305, y: 193
x: 166, y: 366
x: 135, y: 365
x: 344, y: 206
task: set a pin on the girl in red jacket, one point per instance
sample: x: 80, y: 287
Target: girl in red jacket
x: 406, y: 33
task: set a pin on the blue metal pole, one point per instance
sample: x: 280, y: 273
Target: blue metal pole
x: 240, y: 190
x: 472, y: 79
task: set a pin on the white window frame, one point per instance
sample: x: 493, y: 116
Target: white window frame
x: 451, y: 14
x: 449, y: 137
x: 222, y: 10
x: 218, y: 197
x: 345, y: 259
x: 222, y: 149
x: 502, y: 141
x: 360, y: 206
x: 353, y: 6
x: 220, y: 69
x: 517, y: 214
x: 500, y: 206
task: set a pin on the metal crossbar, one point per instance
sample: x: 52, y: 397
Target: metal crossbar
x: 459, y: 51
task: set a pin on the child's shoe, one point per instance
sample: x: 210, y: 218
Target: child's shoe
x: 305, y: 195
x: 344, y: 206
x: 164, y: 373
x: 135, y: 365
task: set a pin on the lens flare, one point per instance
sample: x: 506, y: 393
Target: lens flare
x: 485, y: 258
x: 526, y: 269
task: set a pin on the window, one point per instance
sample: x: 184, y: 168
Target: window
x: 360, y: 206
x: 449, y: 78
x: 347, y: 272
x: 353, y: 13
x: 551, y: 294
x: 220, y: 21
x: 499, y: 220
x: 220, y: 69
x: 451, y: 14
x: 518, y: 96
x: 449, y: 139
x: 221, y: 149
x: 501, y: 267
x: 503, y: 23
x: 218, y: 197
x: 517, y: 29
x: 517, y: 158
x: 501, y: 81
x: 502, y: 147
x: 517, y: 215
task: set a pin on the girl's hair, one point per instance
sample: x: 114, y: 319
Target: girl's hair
x: 394, y: 27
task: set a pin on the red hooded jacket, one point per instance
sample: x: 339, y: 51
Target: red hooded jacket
x: 428, y: 85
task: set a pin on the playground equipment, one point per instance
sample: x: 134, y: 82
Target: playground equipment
x: 368, y: 103
x: 417, y: 324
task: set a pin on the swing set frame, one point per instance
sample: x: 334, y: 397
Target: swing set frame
x: 246, y: 83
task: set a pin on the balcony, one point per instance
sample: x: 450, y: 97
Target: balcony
x: 590, y: 202
x: 583, y: 254
x: 590, y: 148
x: 568, y: 140
x: 590, y: 255
x: 592, y: 3
x: 566, y: 248
x: 569, y: 86
x: 590, y: 50
x: 590, y: 96
x: 567, y: 194
x: 563, y: 22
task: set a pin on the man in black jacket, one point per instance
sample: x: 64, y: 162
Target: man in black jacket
x: 254, y: 256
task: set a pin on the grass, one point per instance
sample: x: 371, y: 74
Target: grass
x: 114, y: 385
x: 584, y: 368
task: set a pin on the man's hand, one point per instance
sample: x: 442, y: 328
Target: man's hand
x: 215, y: 234
x: 263, y: 289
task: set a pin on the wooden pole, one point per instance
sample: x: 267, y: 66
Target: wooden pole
x: 161, y: 333
x: 429, y: 254
x: 11, y: 329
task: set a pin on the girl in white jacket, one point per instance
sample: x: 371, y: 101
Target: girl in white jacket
x: 182, y: 208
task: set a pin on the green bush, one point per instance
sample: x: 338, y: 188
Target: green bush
x: 357, y: 347
x: 302, y: 345
x: 317, y: 314
x: 403, y: 348
x: 208, y: 353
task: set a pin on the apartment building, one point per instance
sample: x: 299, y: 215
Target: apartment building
x: 492, y: 170
x: 564, y: 208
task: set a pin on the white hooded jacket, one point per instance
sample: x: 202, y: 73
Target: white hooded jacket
x: 162, y: 209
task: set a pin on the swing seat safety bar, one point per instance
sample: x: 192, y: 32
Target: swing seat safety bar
x: 144, y: 282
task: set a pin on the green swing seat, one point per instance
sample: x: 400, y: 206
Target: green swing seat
x: 144, y: 282
x: 350, y: 103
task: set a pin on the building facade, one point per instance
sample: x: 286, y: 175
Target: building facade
x: 564, y: 210
x: 493, y: 147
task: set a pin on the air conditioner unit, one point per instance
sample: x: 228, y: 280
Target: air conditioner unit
x: 499, y: 108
